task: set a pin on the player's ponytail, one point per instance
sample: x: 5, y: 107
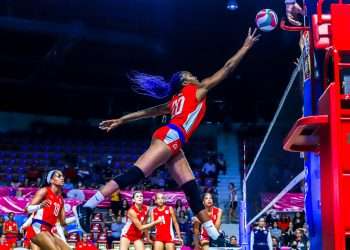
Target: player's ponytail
x: 155, y: 86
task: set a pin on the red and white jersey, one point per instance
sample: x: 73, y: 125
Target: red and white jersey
x: 214, y: 217
x: 130, y: 231
x: 81, y: 245
x: 186, y: 111
x: 164, y: 231
x: 10, y: 226
x: 49, y: 214
x: 5, y: 246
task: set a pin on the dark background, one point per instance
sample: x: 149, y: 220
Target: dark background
x: 65, y: 57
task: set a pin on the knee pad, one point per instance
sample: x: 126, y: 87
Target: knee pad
x: 193, y: 196
x: 131, y: 177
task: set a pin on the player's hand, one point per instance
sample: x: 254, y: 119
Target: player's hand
x: 296, y: 62
x: 45, y: 203
x: 108, y: 125
x: 292, y: 12
x: 251, y: 38
x: 195, y: 220
x: 159, y: 220
x: 197, y: 247
x: 148, y: 240
x: 180, y: 240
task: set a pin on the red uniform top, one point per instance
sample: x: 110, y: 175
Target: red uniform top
x: 214, y: 217
x: 5, y: 246
x: 50, y: 213
x: 283, y: 225
x: 186, y: 111
x: 130, y: 231
x: 164, y: 231
x: 81, y: 245
x: 10, y: 226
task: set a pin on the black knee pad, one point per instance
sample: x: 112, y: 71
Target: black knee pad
x: 193, y: 196
x: 131, y: 177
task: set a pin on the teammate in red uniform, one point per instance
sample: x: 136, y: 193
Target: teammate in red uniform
x: 133, y: 231
x: 201, y: 237
x: 47, y: 207
x: 85, y: 244
x: 4, y: 245
x: 11, y: 230
x: 28, y: 234
x: 164, y: 231
x: 187, y: 108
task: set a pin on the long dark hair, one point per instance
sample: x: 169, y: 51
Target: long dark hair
x: 155, y: 86
x: 207, y: 193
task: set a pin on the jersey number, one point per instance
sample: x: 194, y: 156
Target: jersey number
x: 56, y: 209
x: 177, y: 106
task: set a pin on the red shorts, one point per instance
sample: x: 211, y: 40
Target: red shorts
x: 204, y: 239
x: 132, y: 238
x: 35, y: 229
x: 164, y: 239
x: 170, y: 137
x: 30, y: 233
x: 26, y: 243
x: 11, y: 240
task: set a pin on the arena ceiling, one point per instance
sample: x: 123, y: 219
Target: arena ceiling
x: 70, y: 57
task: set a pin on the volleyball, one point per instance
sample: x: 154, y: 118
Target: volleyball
x: 266, y: 20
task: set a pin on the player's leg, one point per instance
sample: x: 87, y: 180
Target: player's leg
x: 169, y: 246
x: 180, y: 170
x: 156, y: 155
x: 205, y: 245
x: 230, y: 212
x: 33, y: 246
x: 45, y: 240
x: 124, y: 243
x: 158, y: 245
x: 62, y: 244
x: 138, y: 244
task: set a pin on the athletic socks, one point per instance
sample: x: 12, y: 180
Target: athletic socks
x: 94, y: 200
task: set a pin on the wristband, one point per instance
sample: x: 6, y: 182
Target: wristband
x: 33, y: 208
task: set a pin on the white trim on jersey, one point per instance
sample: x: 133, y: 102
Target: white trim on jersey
x: 39, y: 216
x: 172, y: 234
x: 60, y: 231
x: 126, y: 228
x: 27, y: 223
x: 36, y: 227
x: 192, y: 117
x: 171, y: 136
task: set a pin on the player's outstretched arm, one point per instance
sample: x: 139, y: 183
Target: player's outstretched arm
x: 162, y: 109
x: 229, y: 67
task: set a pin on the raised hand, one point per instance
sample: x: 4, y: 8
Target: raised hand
x: 108, y: 125
x: 251, y: 38
x: 292, y: 12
